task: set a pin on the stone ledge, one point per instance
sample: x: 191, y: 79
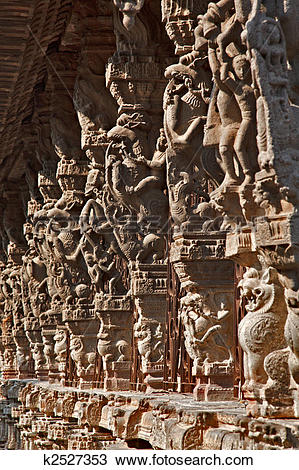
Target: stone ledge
x: 49, y: 416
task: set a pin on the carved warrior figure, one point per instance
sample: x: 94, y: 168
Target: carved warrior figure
x: 262, y: 329
x: 205, y: 331
x: 99, y: 249
x: 186, y: 100
x: 134, y: 186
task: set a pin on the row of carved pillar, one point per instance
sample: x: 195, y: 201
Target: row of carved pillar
x: 140, y: 167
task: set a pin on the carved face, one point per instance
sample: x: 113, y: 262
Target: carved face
x: 241, y: 66
x: 60, y: 336
x: 90, y: 260
x: 253, y: 294
x: 76, y: 344
x: 258, y: 292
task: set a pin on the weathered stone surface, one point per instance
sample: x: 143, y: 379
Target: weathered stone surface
x: 148, y: 223
x: 118, y: 420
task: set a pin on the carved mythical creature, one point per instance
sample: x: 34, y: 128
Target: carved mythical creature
x: 85, y: 361
x: 134, y: 187
x: 150, y: 342
x: 60, y: 347
x: 292, y: 333
x: 112, y: 347
x: 262, y: 329
x: 37, y: 351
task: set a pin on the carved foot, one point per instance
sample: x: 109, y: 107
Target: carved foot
x: 248, y: 180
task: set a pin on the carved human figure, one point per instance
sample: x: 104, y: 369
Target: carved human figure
x: 128, y: 177
x: 101, y: 262
x: 230, y: 119
x: 240, y: 86
x: 67, y: 264
x: 185, y: 106
x: 134, y: 199
x: 94, y: 271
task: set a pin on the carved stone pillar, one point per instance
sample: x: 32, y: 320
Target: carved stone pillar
x: 61, y: 350
x: 49, y: 321
x: 115, y: 339
x: 83, y: 326
x: 23, y: 354
x: 34, y: 335
x: 9, y: 357
x: 207, y: 311
x: 8, y: 343
x: 292, y: 339
x: 149, y: 290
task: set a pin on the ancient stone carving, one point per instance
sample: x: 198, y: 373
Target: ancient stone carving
x: 114, y: 339
x: 262, y: 329
x: 291, y: 333
x: 206, y: 338
x: 137, y: 184
x: 185, y: 109
x: 129, y: 9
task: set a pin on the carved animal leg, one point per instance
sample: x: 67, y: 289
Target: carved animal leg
x: 256, y: 370
x: 246, y: 372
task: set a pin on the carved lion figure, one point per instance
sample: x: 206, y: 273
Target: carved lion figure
x: 261, y: 331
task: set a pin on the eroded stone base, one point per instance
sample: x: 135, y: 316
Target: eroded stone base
x: 47, y: 416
